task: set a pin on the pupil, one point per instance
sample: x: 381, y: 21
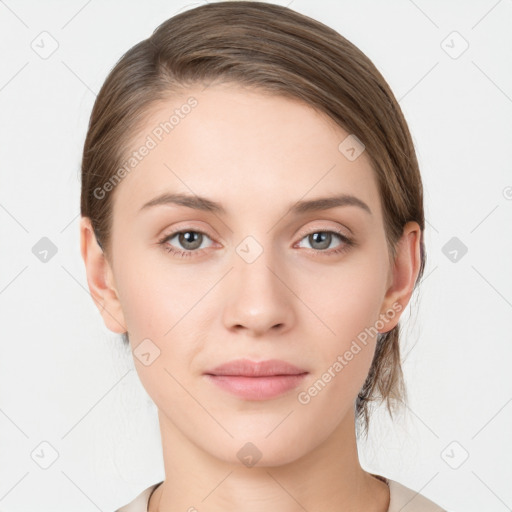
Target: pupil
x: 189, y: 237
x: 323, y: 236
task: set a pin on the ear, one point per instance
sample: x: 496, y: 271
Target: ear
x: 403, y: 274
x: 100, y: 279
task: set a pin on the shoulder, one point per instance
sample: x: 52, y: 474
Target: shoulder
x: 140, y: 503
x: 404, y: 499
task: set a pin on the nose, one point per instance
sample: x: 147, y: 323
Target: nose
x: 257, y: 296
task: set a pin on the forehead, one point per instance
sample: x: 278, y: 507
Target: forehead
x: 243, y: 147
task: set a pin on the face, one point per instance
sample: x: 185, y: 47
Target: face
x: 256, y: 277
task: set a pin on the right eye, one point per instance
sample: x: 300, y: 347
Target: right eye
x: 190, y: 239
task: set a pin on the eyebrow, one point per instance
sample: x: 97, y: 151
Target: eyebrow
x: 300, y: 207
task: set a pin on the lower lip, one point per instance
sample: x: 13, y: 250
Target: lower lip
x: 257, y: 388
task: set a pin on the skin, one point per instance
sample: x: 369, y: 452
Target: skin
x: 257, y: 154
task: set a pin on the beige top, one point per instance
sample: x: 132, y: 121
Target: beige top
x: 402, y: 499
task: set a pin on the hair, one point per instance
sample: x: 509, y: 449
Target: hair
x: 271, y: 49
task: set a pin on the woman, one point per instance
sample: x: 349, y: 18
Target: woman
x: 252, y: 224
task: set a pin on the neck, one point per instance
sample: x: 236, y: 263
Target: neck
x: 328, y: 478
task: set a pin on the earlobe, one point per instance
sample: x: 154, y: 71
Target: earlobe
x: 100, y: 279
x: 403, y: 274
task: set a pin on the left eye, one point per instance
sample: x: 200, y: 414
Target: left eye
x: 323, y: 239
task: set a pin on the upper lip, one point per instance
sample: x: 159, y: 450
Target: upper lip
x: 247, y: 368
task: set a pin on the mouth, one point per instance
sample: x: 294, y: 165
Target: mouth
x: 256, y: 380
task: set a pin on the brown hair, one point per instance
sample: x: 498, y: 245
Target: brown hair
x: 275, y: 49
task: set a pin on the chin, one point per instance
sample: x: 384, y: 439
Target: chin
x: 258, y: 448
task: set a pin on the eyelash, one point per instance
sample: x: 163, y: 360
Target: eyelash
x: 347, y: 243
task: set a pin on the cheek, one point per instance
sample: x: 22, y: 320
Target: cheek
x: 164, y: 314
x: 154, y: 297
x: 348, y: 303
x: 343, y: 358
x: 357, y: 310
x: 348, y: 299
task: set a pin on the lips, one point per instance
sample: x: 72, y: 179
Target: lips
x: 256, y: 380
x: 247, y: 368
